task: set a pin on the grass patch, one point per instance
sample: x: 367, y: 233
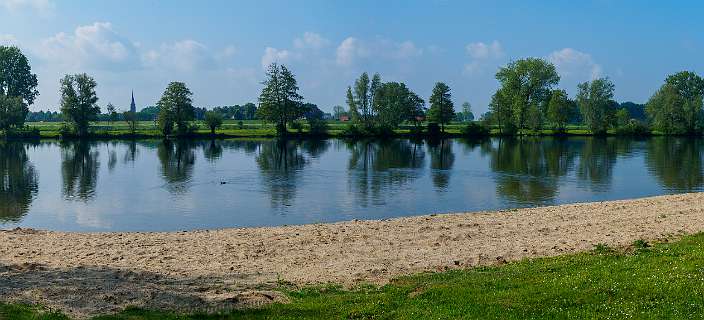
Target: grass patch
x: 665, y: 281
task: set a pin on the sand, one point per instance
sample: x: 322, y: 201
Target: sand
x: 90, y: 273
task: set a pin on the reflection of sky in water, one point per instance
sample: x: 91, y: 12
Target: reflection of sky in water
x: 150, y: 185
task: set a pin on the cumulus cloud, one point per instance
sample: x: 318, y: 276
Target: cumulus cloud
x: 185, y: 56
x: 352, y: 48
x: 96, y: 45
x: 7, y: 40
x: 42, y: 6
x: 272, y: 55
x: 310, y: 40
x: 481, y: 50
x: 576, y: 64
x: 482, y: 54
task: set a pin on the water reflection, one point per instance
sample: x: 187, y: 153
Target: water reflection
x: 302, y: 181
x: 378, y: 168
x: 280, y: 163
x: 177, y: 159
x: 79, y: 169
x: 529, y: 168
x: 441, y: 161
x: 677, y: 163
x: 18, y: 181
x: 212, y: 150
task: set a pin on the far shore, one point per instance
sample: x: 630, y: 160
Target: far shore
x: 92, y: 273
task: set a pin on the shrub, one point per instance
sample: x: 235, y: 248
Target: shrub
x: 433, y: 129
x: 317, y: 126
x: 474, y: 129
x: 240, y: 125
x: 352, y: 131
x: 297, y: 126
x: 633, y: 128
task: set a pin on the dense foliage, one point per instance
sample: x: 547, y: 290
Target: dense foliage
x: 79, y: 102
x: 175, y: 108
x: 18, y: 88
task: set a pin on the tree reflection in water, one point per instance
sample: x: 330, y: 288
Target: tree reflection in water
x: 79, y: 169
x: 177, y: 159
x: 378, y: 168
x: 676, y: 162
x: 18, y: 181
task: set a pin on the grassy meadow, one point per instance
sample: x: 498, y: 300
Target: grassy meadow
x: 245, y: 128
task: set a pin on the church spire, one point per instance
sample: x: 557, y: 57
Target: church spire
x: 133, y: 107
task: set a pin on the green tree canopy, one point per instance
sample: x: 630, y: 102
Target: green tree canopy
x: 677, y: 106
x: 279, y: 101
x: 394, y: 103
x: 594, y: 100
x: 213, y: 120
x: 18, y: 87
x: 442, y: 110
x: 525, y: 88
x: 175, y: 108
x: 79, y: 102
x: 560, y: 109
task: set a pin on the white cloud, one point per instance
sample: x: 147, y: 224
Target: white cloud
x: 96, y: 45
x: 184, y: 56
x: 42, y: 6
x: 310, y: 40
x: 576, y: 64
x: 481, y: 50
x: 8, y: 40
x: 272, y: 55
x: 347, y: 51
x: 482, y: 54
x: 407, y: 49
x: 352, y: 48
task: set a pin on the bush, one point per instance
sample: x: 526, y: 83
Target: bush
x: 433, y: 129
x: 297, y: 126
x: 474, y: 129
x: 317, y: 126
x: 352, y: 131
x: 633, y: 128
x: 23, y: 133
x: 240, y: 125
x: 66, y: 130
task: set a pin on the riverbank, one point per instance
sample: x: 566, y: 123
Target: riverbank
x: 335, y: 129
x: 93, y: 273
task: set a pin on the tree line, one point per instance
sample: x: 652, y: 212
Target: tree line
x: 527, y: 101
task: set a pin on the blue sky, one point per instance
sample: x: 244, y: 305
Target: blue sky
x: 219, y: 47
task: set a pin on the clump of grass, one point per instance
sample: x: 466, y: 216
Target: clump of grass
x: 602, y: 248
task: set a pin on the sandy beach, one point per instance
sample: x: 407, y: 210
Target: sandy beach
x: 90, y: 273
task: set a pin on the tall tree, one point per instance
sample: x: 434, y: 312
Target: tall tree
x: 560, y: 110
x: 394, y: 103
x: 363, y: 99
x: 594, y: 99
x: 175, y: 108
x: 442, y: 110
x: 500, y: 107
x: 112, y: 112
x: 677, y: 106
x: 352, y: 105
x: 466, y: 114
x: 18, y: 87
x: 279, y: 101
x: 526, y: 85
x: 79, y: 102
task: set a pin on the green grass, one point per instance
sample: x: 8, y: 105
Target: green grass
x: 248, y: 128
x: 665, y: 281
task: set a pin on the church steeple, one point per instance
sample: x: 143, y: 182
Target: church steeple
x: 133, y: 107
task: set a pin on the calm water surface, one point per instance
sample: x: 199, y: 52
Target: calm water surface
x: 182, y: 185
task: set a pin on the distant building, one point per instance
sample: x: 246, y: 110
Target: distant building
x: 133, y: 107
x: 344, y: 118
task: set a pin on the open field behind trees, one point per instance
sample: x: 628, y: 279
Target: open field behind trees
x: 256, y: 128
